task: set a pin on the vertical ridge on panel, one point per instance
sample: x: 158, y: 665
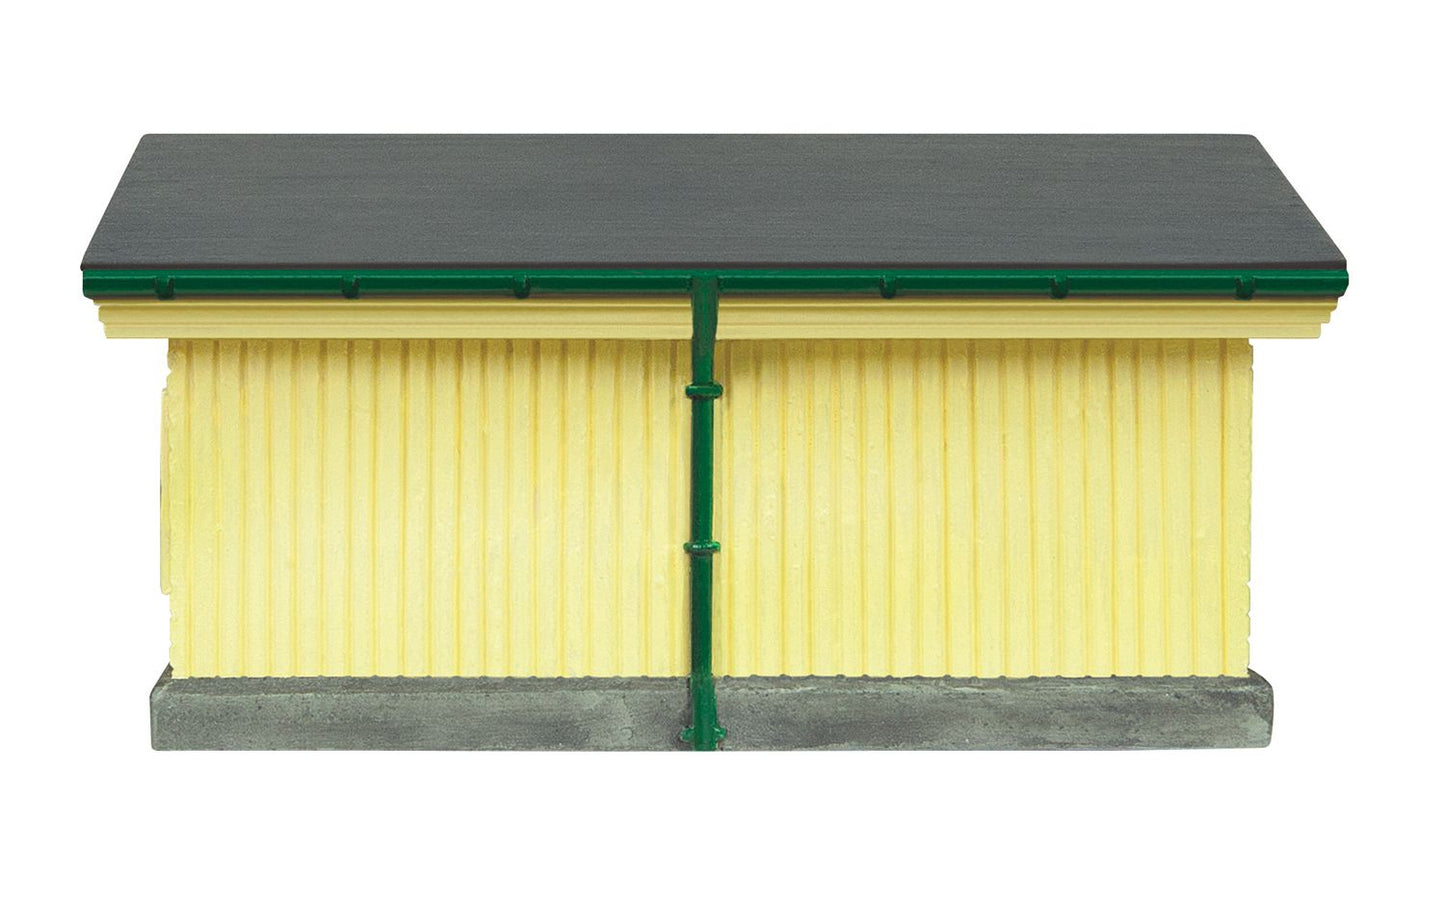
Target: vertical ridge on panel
x: 230, y: 513
x: 177, y: 475
x: 877, y: 483
x: 165, y: 475
x: 414, y: 542
x: 1044, y: 538
x: 822, y: 604
x: 547, y: 451
x: 521, y: 507
x: 587, y: 537
x: 1237, y: 386
x: 1015, y: 513
x: 254, y: 422
x: 724, y: 612
x: 725, y: 645
x: 567, y: 654
x: 1072, y: 493
x: 389, y: 529
x: 1178, y: 514
x: 848, y: 533
x: 992, y: 540
x: 445, y: 456
x: 285, y: 440
x: 1096, y: 442
x: 679, y: 445
x: 1123, y: 478
x: 573, y: 529
x: 793, y: 504
x: 627, y: 560
x: 740, y: 575
x: 604, y: 634
x: 818, y: 467
x: 930, y: 623
x: 336, y: 508
x: 361, y: 553
x: 1206, y: 487
x: 770, y: 528
x: 495, y: 477
x: 307, y: 464
x: 1153, y: 509
x: 901, y: 479
x: 958, y: 548
x: 661, y: 495
x: 205, y: 518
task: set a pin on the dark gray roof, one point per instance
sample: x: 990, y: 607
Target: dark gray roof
x: 706, y: 201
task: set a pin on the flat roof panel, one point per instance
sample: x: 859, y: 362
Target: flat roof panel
x: 706, y: 202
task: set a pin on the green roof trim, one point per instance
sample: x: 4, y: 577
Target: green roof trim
x: 1057, y: 283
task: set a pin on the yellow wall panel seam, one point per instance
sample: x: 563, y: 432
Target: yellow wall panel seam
x: 1236, y: 390
x: 1136, y: 364
x: 1192, y: 395
x: 1066, y: 540
x: 973, y: 608
x: 1113, y: 424
x: 1223, y: 505
x: 167, y: 435
x: 217, y: 615
x: 242, y: 538
x: 1033, y: 513
x: 1088, y: 560
x: 1166, y: 609
x: 268, y: 656
x: 322, y: 509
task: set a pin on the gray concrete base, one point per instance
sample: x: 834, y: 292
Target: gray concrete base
x: 759, y: 713
x: 995, y: 713
x: 417, y: 713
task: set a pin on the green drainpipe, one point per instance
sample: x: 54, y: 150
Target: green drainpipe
x: 704, y: 733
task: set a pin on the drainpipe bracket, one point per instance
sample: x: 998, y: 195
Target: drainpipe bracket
x: 709, y: 390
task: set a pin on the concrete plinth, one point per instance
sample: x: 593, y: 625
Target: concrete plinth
x: 759, y: 713
x: 995, y: 713
x: 417, y: 713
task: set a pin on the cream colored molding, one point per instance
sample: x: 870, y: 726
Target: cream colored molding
x: 1017, y: 318
x: 398, y: 318
x: 739, y: 317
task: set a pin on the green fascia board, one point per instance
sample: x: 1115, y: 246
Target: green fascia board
x: 341, y: 283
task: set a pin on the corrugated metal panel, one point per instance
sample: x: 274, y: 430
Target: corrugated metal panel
x: 510, y: 507
x: 1015, y: 507
x: 498, y: 507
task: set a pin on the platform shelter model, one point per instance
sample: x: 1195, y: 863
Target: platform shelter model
x: 708, y: 441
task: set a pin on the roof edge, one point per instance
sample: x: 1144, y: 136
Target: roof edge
x: 1240, y: 283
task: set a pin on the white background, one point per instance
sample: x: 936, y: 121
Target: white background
x: 1347, y: 493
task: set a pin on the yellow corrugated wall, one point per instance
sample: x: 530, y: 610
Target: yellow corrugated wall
x: 498, y: 507
x: 885, y: 507
x: 959, y: 507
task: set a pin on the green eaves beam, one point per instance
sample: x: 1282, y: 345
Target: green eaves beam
x: 520, y: 283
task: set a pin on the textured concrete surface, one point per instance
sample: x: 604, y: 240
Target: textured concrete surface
x: 417, y: 713
x: 995, y: 714
x: 706, y: 201
x: 759, y: 713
